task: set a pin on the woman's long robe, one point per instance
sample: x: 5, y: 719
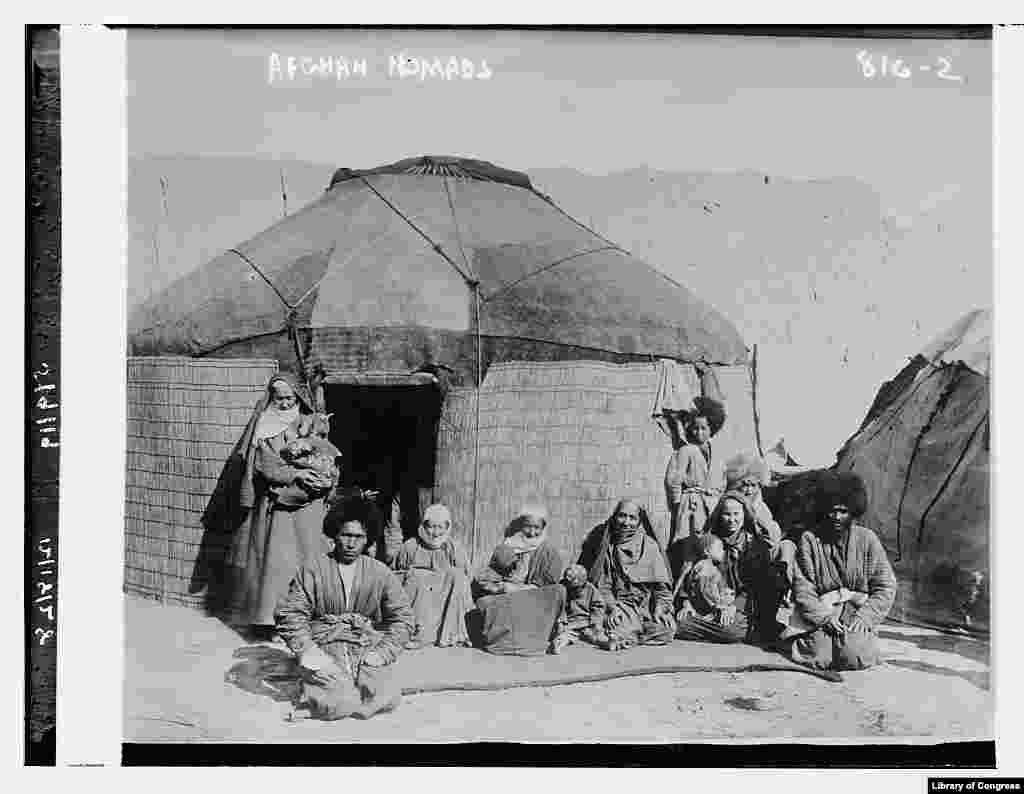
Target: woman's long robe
x: 693, y: 484
x: 437, y: 582
x: 277, y: 541
x: 636, y: 585
x: 522, y: 623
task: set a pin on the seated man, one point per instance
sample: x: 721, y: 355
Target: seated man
x: 627, y: 565
x: 844, y: 585
x: 346, y: 617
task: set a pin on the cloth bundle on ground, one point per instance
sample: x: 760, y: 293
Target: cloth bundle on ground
x: 331, y: 693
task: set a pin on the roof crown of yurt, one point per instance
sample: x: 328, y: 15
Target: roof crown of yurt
x: 474, y: 342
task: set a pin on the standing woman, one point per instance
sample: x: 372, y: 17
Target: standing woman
x: 274, y: 539
x: 693, y: 479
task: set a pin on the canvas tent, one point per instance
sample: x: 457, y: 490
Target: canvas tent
x: 468, y: 333
x: 923, y: 451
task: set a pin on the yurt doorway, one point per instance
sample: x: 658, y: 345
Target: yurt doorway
x: 387, y: 434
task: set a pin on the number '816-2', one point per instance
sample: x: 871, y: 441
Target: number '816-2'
x: 897, y: 67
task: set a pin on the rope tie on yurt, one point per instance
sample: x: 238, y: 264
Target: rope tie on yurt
x: 554, y: 264
x: 319, y: 281
x: 455, y: 223
x: 548, y: 200
x: 436, y: 246
x: 474, y: 284
x: 476, y: 433
x: 293, y: 334
x: 940, y: 404
x: 261, y: 274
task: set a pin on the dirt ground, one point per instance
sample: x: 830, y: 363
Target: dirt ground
x: 931, y: 686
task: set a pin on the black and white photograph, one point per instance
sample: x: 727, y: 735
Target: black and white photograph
x: 558, y: 386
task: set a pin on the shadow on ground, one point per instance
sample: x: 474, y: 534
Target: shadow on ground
x: 267, y: 671
x: 981, y: 679
x: 969, y: 648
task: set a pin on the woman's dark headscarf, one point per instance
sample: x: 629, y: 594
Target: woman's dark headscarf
x: 599, y: 540
x: 739, y: 545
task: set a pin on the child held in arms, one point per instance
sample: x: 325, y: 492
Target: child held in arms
x: 306, y: 447
x: 704, y: 590
x: 582, y: 619
x: 501, y: 575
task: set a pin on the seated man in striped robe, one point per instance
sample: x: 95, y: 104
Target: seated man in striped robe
x: 346, y: 617
x: 844, y: 585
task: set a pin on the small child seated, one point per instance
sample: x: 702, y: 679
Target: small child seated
x: 502, y: 575
x: 306, y: 447
x: 704, y: 591
x: 583, y: 615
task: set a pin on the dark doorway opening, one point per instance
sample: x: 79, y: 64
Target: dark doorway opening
x: 387, y: 435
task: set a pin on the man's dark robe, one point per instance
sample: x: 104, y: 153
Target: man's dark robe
x: 856, y: 561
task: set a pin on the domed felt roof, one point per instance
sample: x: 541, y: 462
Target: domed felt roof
x: 434, y: 242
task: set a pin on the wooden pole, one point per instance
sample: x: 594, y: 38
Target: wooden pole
x: 757, y: 418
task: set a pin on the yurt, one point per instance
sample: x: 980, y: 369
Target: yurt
x: 923, y: 451
x: 476, y: 344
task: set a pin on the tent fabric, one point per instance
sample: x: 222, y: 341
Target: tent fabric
x: 924, y: 457
x: 969, y: 341
x: 415, y: 244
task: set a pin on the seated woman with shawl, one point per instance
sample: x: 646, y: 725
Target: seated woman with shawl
x: 749, y: 475
x: 517, y: 612
x: 745, y: 555
x: 844, y: 585
x: 435, y: 573
x: 275, y: 510
x: 627, y: 565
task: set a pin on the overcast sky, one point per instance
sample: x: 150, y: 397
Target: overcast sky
x: 597, y: 102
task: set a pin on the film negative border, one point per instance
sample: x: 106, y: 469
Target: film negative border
x: 42, y: 356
